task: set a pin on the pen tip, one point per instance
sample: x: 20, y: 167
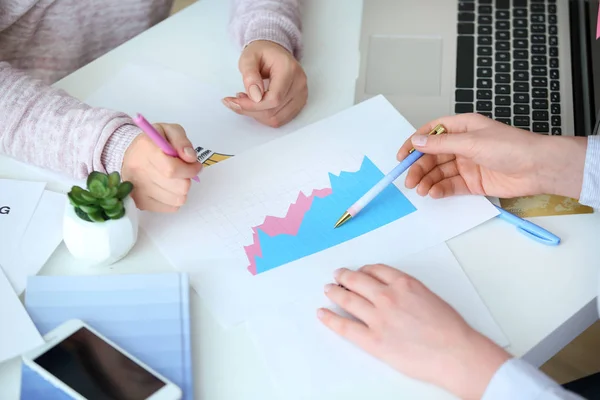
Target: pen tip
x: 343, y: 219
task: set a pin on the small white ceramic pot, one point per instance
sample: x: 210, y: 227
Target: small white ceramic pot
x: 101, y: 243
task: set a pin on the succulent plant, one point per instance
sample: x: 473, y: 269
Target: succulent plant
x: 103, y: 199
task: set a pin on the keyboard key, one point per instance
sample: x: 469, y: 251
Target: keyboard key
x: 521, y: 87
x: 553, y: 30
x: 554, y: 85
x: 538, y: 93
x: 520, y: 33
x: 484, y: 72
x: 538, y: 39
x: 521, y: 76
x: 502, y: 78
x: 502, y: 89
x: 502, y: 112
x: 553, y: 41
x: 540, y: 116
x: 551, y: 8
x: 502, y: 56
x: 464, y: 96
x: 538, y: 49
x: 522, y: 98
x: 555, y: 97
x: 484, y: 61
x: 539, y: 104
x: 485, y: 9
x: 537, y: 28
x: 521, y: 54
x: 465, y: 28
x: 484, y: 51
x: 556, y: 120
x: 541, y: 127
x: 485, y: 114
x: 556, y: 131
x: 552, y: 19
x: 502, y: 68
x: 466, y: 6
x: 504, y: 120
x: 553, y: 74
x: 555, y: 108
x: 521, y: 65
x: 465, y: 56
x: 503, y: 35
x: 537, y: 18
x: 521, y: 109
x: 553, y: 51
x: 502, y: 14
x: 538, y: 8
x: 502, y: 100
x: 484, y: 83
x: 520, y: 23
x: 484, y: 106
x: 483, y: 94
x: 520, y: 13
x: 484, y: 40
x: 484, y: 19
x: 520, y: 43
x: 484, y: 30
x: 503, y: 25
x: 554, y: 63
x: 521, y: 121
x: 502, y: 46
x: 539, y: 71
x: 502, y: 4
x: 466, y: 17
x: 537, y: 81
x: 538, y: 60
x: 462, y: 108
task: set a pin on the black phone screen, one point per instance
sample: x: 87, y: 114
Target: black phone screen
x: 96, y: 370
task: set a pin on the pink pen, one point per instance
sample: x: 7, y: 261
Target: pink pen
x: 157, y: 138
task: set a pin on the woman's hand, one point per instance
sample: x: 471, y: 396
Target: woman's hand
x: 161, y: 182
x: 485, y: 157
x: 407, y: 326
x: 287, y: 91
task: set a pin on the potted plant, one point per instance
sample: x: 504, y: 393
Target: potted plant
x: 101, y: 223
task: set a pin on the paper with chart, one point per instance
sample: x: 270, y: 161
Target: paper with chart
x: 17, y: 332
x: 257, y: 231
x: 302, y: 353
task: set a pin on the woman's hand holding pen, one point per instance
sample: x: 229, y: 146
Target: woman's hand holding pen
x: 485, y: 157
x: 161, y: 182
x: 403, y: 323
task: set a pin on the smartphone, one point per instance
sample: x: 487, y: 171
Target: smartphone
x: 86, y: 365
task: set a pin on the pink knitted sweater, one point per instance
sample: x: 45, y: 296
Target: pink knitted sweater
x: 42, y: 41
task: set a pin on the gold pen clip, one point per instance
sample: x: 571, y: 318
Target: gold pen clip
x: 438, y: 130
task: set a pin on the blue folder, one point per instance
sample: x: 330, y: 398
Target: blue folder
x: 146, y: 314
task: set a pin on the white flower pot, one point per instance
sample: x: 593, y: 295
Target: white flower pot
x: 101, y: 243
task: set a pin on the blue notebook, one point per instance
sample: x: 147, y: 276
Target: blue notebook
x: 146, y: 314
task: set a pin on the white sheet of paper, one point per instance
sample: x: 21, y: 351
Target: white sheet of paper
x: 17, y: 332
x: 164, y: 95
x: 40, y: 240
x: 18, y: 201
x: 206, y: 238
x: 303, y: 354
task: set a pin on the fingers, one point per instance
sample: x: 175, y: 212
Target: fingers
x: 144, y: 202
x: 249, y: 66
x: 381, y: 272
x: 350, y: 302
x: 359, y: 282
x: 423, y: 166
x: 454, y: 186
x: 172, y: 167
x: 169, y: 191
x: 353, y: 331
x: 436, y: 175
x: 176, y: 135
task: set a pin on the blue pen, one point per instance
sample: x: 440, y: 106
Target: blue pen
x: 529, y: 229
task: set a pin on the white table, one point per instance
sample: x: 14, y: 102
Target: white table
x: 542, y: 297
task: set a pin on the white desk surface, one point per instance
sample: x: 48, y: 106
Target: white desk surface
x: 542, y: 297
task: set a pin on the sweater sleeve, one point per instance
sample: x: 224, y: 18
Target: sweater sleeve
x: 278, y: 21
x: 590, y: 190
x: 46, y: 127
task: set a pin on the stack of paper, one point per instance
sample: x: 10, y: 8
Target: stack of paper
x: 30, y: 228
x: 148, y: 315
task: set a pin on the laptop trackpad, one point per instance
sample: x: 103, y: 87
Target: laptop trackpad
x: 404, y: 65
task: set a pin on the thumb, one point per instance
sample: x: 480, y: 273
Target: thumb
x: 249, y: 66
x: 451, y: 143
x: 176, y: 135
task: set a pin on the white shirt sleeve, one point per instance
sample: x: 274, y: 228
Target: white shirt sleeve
x: 518, y: 380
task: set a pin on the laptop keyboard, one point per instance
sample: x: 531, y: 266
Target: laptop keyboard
x: 507, y: 63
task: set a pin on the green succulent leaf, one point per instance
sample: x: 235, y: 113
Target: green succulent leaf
x: 109, y: 202
x: 97, y: 216
x: 113, y: 179
x: 87, y: 196
x: 110, y: 193
x: 75, y: 196
x: 82, y: 214
x: 97, y: 176
x: 115, y: 210
x: 124, y: 189
x: 118, y: 215
x: 98, y: 189
x: 90, y: 209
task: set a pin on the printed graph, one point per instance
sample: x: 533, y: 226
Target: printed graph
x: 307, y: 228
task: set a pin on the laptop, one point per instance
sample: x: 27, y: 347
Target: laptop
x: 533, y: 64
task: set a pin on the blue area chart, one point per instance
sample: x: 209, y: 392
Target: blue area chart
x: 316, y: 231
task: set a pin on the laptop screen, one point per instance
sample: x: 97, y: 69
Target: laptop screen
x: 594, y: 61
